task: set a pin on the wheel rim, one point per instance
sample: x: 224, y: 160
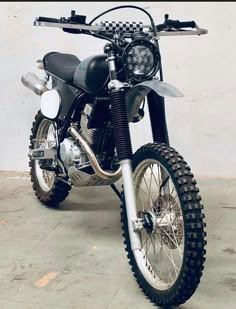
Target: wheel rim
x: 161, y: 257
x: 45, y: 138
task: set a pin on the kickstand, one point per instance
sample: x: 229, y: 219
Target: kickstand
x: 114, y: 188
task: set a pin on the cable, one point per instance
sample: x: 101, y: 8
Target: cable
x: 127, y: 7
x: 100, y: 37
x: 160, y: 64
x: 138, y: 8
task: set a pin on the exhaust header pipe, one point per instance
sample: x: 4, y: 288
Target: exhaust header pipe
x: 92, y: 158
x: 31, y: 81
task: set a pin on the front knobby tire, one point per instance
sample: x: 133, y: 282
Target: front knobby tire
x: 192, y: 241
x: 50, y: 189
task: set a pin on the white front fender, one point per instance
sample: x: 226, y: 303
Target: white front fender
x: 136, y: 95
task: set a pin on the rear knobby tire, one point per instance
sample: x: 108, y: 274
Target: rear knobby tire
x: 192, y: 217
x: 59, y: 188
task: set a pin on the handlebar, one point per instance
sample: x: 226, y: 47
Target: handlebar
x: 111, y: 25
x: 76, y: 24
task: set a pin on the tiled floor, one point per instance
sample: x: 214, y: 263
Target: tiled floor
x: 74, y: 257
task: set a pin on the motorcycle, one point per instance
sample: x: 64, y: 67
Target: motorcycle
x: 80, y: 137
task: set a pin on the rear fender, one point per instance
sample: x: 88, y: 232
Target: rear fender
x: 136, y: 95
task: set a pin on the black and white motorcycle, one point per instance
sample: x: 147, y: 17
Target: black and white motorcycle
x: 81, y: 137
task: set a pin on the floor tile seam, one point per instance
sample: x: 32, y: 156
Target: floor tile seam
x: 117, y: 293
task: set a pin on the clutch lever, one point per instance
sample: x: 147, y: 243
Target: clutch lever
x: 173, y: 25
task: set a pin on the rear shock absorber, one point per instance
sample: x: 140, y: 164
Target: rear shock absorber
x: 156, y: 106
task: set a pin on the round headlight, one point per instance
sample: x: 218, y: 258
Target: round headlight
x: 141, y: 59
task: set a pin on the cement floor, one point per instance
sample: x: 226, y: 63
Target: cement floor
x: 74, y: 257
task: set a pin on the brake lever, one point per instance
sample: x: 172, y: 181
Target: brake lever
x: 77, y: 19
x: 168, y: 25
x: 160, y: 27
x: 164, y: 26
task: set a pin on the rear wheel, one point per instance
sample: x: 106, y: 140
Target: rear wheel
x: 49, y: 188
x: 169, y: 265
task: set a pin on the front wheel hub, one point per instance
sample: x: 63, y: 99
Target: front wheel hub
x: 148, y: 222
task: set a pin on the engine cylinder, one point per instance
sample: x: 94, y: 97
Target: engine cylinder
x: 92, y: 136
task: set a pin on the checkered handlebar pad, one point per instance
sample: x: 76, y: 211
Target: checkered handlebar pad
x: 124, y: 27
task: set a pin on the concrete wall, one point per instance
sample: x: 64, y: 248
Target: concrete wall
x: 202, y: 124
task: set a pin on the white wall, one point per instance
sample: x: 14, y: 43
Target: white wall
x: 202, y: 124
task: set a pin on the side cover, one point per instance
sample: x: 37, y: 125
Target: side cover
x: 67, y: 94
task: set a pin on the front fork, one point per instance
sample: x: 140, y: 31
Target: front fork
x: 156, y: 106
x: 123, y: 144
x: 123, y: 140
x: 124, y: 152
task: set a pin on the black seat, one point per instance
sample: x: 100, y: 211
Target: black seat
x: 61, y: 65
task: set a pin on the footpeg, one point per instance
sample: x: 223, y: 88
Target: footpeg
x: 42, y: 154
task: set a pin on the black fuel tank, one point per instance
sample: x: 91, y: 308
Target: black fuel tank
x: 92, y: 74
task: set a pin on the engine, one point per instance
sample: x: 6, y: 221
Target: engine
x: 70, y: 152
x: 94, y: 164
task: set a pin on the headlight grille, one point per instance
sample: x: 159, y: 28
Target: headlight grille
x: 141, y: 59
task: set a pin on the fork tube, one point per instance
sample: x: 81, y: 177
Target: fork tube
x: 124, y: 152
x: 130, y: 201
x: 156, y: 106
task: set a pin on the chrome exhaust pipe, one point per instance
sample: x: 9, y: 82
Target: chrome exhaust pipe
x: 92, y: 158
x: 31, y: 81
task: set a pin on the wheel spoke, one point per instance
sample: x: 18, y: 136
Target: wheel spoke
x: 142, y: 202
x: 176, y: 273
x: 149, y: 191
x: 163, y: 216
x: 173, y: 263
x: 156, y: 259
x: 159, y: 174
x: 143, y: 191
x: 144, y: 243
x: 172, y: 190
x: 158, y: 185
x: 161, y: 251
x: 153, y: 243
x: 173, y: 233
x: 147, y: 188
x: 148, y: 246
x: 167, y: 234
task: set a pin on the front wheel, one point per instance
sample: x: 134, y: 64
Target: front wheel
x: 169, y: 265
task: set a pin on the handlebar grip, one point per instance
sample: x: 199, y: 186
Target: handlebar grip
x: 48, y: 19
x: 181, y: 24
